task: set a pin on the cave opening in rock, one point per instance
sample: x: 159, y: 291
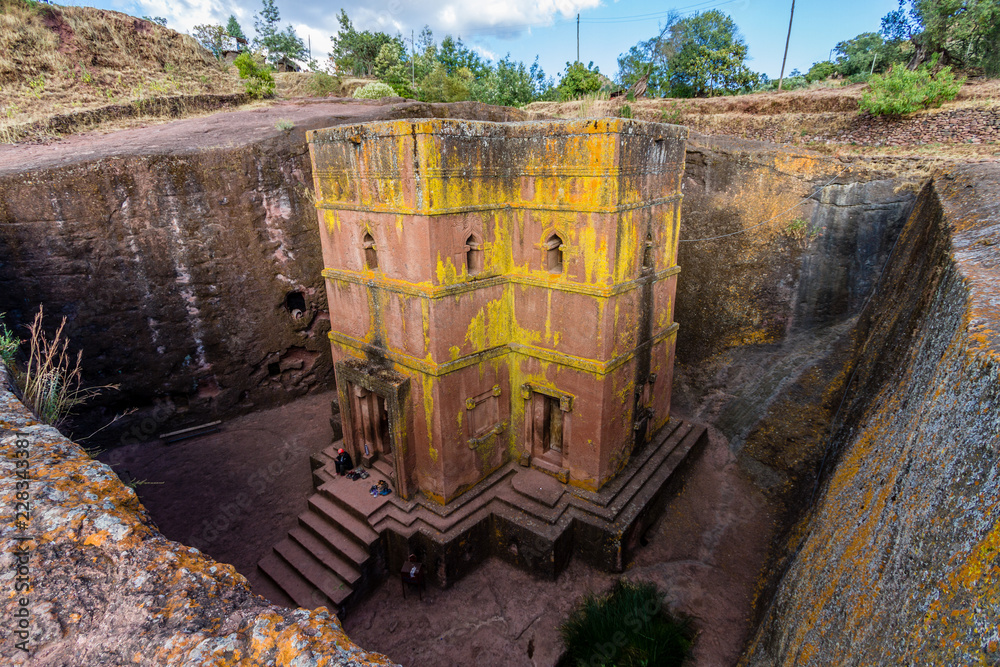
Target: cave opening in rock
x: 295, y: 304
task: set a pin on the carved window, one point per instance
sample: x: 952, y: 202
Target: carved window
x: 554, y: 254
x: 371, y: 256
x: 647, y: 252
x: 473, y: 256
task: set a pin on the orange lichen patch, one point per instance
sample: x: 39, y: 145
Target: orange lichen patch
x: 801, y: 164
x: 765, y: 200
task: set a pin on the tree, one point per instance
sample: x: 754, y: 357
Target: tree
x: 391, y: 67
x: 286, y: 45
x: 454, y: 55
x: 277, y: 44
x: 650, y: 59
x: 511, y: 84
x: 265, y: 24
x: 438, y: 86
x: 821, y: 71
x: 965, y: 33
x: 355, y: 52
x: 579, y: 80
x: 234, y: 30
x: 212, y: 37
x: 710, y: 57
x: 156, y: 19
x: 856, y: 56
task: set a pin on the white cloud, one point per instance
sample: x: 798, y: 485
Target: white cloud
x: 183, y: 15
x: 485, y: 53
x: 471, y: 19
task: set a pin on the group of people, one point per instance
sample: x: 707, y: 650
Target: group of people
x: 344, y: 466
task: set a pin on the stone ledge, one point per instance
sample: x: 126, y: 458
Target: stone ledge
x: 106, y: 588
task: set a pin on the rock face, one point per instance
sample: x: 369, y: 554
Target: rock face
x: 88, y: 580
x: 897, y: 561
x: 185, y: 257
x: 782, y: 265
x: 779, y: 250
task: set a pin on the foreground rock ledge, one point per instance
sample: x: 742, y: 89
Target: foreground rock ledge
x: 106, y: 588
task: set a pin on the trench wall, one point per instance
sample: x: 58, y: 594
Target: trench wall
x: 767, y: 310
x: 897, y: 561
x: 88, y: 580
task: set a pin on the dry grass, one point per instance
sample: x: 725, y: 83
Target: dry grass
x: 821, y: 98
x: 932, y: 151
x: 300, y: 84
x: 52, y: 382
x: 63, y: 60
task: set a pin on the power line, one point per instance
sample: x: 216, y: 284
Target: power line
x: 708, y: 4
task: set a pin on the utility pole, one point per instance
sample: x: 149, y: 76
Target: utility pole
x: 781, y: 80
x: 413, y: 78
x: 310, y: 47
x: 577, y: 38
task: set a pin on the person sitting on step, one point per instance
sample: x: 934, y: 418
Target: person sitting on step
x: 343, y: 462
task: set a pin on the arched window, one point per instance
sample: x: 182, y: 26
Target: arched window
x: 647, y: 252
x: 371, y: 257
x: 473, y: 256
x: 554, y: 254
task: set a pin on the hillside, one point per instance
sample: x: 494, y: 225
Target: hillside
x: 64, y: 62
x: 823, y: 118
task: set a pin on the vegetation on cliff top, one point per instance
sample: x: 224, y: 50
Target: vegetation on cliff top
x: 63, y: 60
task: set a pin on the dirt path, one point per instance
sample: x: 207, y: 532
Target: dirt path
x: 231, y: 128
x: 234, y: 494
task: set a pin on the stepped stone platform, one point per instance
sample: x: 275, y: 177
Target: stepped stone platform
x: 348, y: 540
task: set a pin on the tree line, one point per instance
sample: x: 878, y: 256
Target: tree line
x: 961, y: 34
x: 700, y: 55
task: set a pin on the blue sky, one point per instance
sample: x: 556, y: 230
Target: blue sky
x: 547, y: 28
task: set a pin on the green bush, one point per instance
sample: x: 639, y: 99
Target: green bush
x: 902, y: 91
x: 628, y: 627
x: 374, y: 90
x: 579, y: 80
x: 322, y: 84
x: 821, y: 71
x: 258, y: 81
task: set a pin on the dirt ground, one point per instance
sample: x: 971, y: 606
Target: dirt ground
x: 235, y: 493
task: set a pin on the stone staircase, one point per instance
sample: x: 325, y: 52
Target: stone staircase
x: 338, y: 550
x: 332, y: 555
